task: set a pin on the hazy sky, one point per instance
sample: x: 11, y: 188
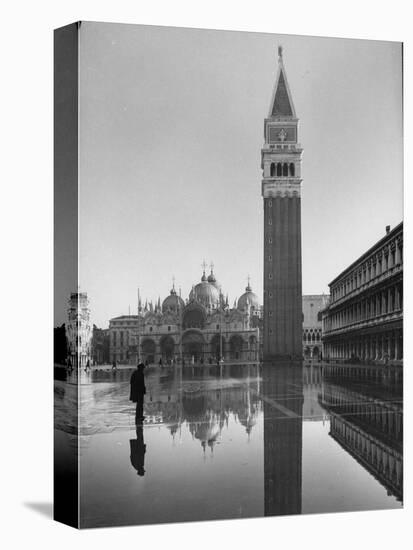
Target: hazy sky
x: 171, y: 128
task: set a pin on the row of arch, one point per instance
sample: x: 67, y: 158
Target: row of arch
x: 312, y: 336
x: 282, y: 169
x: 193, y: 345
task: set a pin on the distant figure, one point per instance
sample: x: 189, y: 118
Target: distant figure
x: 137, y: 451
x: 160, y: 361
x: 114, y: 364
x: 88, y: 365
x: 137, y: 391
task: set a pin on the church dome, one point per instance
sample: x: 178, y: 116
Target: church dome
x: 212, y: 280
x: 205, y: 293
x: 173, y: 302
x: 249, y: 298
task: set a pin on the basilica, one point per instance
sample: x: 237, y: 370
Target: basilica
x: 202, y: 328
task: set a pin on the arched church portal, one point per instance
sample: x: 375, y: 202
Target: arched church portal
x: 167, y: 348
x: 236, y: 346
x: 216, y: 347
x: 148, y: 351
x: 193, y: 346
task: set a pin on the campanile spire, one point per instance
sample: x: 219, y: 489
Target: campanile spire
x: 281, y: 191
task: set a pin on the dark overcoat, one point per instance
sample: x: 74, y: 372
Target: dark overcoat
x: 137, y: 386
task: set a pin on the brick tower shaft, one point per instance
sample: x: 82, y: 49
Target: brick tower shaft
x: 281, y: 191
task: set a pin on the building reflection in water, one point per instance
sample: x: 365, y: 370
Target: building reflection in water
x: 366, y: 419
x: 282, y: 395
x: 203, y: 399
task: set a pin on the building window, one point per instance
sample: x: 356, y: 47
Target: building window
x: 279, y: 169
x: 217, y: 327
x: 270, y: 294
x: 272, y: 170
x: 150, y: 329
x: 169, y: 329
x: 292, y: 169
x: 270, y: 276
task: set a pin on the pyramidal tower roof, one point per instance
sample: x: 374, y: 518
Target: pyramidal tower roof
x: 281, y: 101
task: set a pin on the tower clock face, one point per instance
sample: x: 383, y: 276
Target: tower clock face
x: 282, y: 134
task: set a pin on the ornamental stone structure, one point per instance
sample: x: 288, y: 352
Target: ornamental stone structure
x: 201, y: 329
x: 364, y: 318
x: 281, y: 183
x: 313, y: 304
x: 78, y: 330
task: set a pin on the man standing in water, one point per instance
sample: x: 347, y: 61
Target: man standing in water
x: 137, y: 391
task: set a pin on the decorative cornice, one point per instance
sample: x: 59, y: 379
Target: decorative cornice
x: 281, y: 188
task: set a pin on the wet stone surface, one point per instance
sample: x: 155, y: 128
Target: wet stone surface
x: 235, y: 441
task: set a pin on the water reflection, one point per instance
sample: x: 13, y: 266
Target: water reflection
x: 137, y: 451
x: 366, y: 419
x: 282, y: 395
x: 237, y: 441
x: 203, y: 400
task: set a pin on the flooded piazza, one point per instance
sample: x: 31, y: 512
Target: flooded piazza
x: 235, y: 441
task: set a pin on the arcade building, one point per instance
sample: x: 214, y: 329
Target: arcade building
x: 363, y: 320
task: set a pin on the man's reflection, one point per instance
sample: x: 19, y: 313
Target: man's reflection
x: 282, y: 395
x: 137, y: 451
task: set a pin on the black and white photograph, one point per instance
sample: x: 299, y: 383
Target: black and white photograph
x: 228, y: 242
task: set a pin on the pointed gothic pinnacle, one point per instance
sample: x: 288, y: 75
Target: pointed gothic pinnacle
x: 280, y: 53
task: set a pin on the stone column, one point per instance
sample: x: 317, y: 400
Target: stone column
x: 397, y: 255
x: 396, y: 345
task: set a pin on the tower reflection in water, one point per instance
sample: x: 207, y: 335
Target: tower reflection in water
x: 282, y: 396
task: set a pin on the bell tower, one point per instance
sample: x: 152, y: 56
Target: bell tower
x: 281, y: 191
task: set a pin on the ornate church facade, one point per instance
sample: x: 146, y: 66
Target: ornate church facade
x: 201, y: 329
